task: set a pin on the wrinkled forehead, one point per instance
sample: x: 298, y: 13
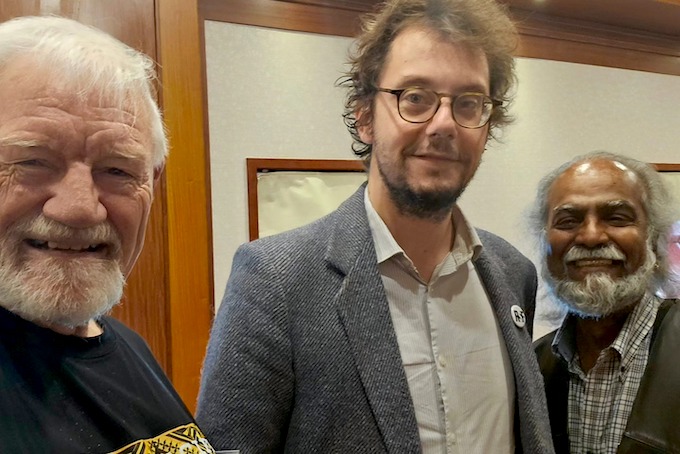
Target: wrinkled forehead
x: 97, y: 87
x: 612, y: 168
x: 596, y: 183
x: 601, y: 174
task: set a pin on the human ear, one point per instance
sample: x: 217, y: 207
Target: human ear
x: 157, y: 172
x: 364, y: 125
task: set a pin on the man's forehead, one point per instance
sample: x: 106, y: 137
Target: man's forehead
x: 599, y: 165
x: 601, y: 184
x: 601, y: 174
x: 55, y: 84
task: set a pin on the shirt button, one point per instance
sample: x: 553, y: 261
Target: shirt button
x: 442, y: 361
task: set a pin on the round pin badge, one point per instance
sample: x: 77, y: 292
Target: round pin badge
x: 518, y: 316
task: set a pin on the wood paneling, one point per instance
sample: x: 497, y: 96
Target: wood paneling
x: 283, y: 15
x: 352, y: 5
x: 652, y: 16
x: 131, y: 21
x: 188, y: 196
x: 553, y: 38
x: 667, y: 167
x: 574, y: 37
x: 659, y: 17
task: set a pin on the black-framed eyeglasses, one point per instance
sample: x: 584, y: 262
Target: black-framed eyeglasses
x: 419, y: 105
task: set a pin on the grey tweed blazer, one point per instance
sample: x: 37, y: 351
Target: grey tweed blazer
x: 303, y: 357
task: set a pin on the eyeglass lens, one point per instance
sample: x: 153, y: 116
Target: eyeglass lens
x: 418, y: 105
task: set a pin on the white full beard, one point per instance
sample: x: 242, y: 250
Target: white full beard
x: 599, y: 295
x: 58, y: 291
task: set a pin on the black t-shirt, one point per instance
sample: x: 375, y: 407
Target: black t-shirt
x: 66, y: 394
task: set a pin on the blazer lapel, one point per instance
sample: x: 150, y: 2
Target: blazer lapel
x: 364, y: 313
x: 502, y: 300
x: 529, y: 393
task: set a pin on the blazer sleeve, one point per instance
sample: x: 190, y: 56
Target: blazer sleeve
x: 247, y: 382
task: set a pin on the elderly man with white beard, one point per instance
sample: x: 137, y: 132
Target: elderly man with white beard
x: 81, y: 148
x: 611, y: 374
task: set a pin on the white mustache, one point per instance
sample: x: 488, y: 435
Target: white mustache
x: 42, y: 228
x: 609, y: 252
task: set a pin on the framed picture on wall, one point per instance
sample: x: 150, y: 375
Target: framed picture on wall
x: 288, y: 193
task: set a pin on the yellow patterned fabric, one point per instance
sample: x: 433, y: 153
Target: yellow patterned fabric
x: 187, y: 439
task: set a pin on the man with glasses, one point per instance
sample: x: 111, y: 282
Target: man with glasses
x: 391, y: 325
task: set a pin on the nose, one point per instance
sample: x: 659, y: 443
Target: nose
x: 443, y: 123
x: 74, y: 199
x: 592, y: 234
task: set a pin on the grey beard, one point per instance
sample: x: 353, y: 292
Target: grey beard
x: 599, y: 295
x: 52, y: 291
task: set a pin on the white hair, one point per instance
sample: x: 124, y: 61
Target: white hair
x: 88, y: 61
x: 657, y: 200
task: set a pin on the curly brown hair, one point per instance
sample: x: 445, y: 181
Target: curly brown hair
x: 482, y: 24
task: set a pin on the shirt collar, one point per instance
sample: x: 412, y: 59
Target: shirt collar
x: 466, y: 241
x: 636, y: 327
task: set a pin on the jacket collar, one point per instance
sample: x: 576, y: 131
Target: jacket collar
x: 364, y: 313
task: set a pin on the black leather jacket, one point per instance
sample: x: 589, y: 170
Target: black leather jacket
x: 654, y: 423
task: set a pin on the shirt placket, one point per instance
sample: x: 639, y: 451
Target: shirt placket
x: 442, y: 360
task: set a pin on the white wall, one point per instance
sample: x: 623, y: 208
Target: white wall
x: 271, y: 93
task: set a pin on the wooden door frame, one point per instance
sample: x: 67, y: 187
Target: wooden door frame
x: 190, y: 274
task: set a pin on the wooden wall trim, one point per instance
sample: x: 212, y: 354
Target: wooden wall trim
x: 282, y: 15
x: 592, y: 54
x: 188, y: 198
x: 595, y: 44
x: 541, y: 36
x: 667, y: 167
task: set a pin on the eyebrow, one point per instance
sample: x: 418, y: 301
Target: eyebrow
x: 615, y: 204
x: 128, y: 153
x: 609, y: 205
x: 566, y: 210
x: 18, y: 142
x: 424, y: 82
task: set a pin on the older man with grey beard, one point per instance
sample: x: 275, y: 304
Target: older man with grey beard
x: 610, y: 373
x: 82, y: 147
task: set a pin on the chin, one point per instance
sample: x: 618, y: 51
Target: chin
x: 61, y: 292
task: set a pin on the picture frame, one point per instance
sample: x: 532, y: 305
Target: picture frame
x: 288, y: 193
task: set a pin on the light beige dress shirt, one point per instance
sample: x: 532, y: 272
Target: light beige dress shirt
x: 452, y: 349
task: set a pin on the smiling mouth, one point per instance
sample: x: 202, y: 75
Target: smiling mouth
x: 64, y: 247
x: 436, y: 157
x: 594, y: 263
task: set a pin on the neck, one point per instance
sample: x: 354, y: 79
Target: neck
x: 90, y: 329
x: 425, y: 241
x: 594, y: 335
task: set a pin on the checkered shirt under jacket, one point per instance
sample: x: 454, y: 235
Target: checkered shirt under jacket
x: 600, y: 401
